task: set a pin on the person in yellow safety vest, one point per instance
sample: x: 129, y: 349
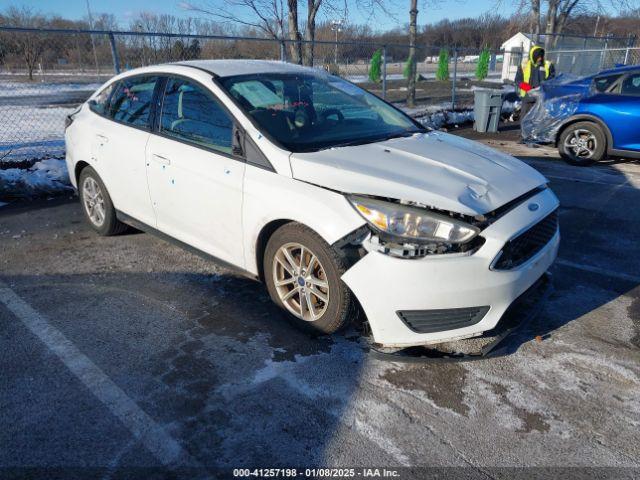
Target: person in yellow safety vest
x: 534, y: 71
x: 531, y: 74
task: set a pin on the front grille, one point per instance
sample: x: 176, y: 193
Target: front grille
x: 429, y: 321
x: 521, y: 248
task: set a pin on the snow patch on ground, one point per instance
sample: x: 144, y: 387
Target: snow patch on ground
x: 44, y: 177
x: 446, y: 118
x: 440, y: 116
x: 506, y: 88
x: 15, y: 89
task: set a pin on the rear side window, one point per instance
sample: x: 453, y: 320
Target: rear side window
x: 190, y: 113
x: 131, y: 101
x: 631, y: 85
x: 601, y: 84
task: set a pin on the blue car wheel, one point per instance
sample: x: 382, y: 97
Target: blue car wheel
x: 582, y: 144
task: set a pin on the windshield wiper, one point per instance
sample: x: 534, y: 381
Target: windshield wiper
x: 359, y: 141
x: 363, y: 141
x: 399, y: 135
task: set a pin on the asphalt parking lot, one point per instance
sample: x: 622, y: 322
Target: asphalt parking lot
x: 127, y: 356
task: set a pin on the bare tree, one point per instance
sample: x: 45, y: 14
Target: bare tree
x: 295, y: 46
x: 267, y: 16
x: 105, y: 21
x: 564, y: 12
x: 558, y: 13
x: 29, y: 45
x: 310, y: 31
x: 552, y: 17
x: 370, y: 9
x: 271, y: 18
x: 411, y: 61
x: 535, y: 18
x: 339, y: 10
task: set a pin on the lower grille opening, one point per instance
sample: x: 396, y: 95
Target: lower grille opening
x: 430, y: 321
x: 523, y: 247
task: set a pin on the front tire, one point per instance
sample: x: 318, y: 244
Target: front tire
x: 582, y: 144
x: 97, y: 205
x: 302, y: 273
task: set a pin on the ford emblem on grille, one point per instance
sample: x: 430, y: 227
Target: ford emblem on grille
x: 533, y: 207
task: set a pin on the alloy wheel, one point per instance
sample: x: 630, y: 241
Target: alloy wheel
x: 300, y: 281
x: 582, y: 143
x: 93, y: 201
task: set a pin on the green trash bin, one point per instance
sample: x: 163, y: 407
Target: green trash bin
x: 487, y: 108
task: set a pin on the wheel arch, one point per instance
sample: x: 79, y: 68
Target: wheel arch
x: 587, y: 118
x: 263, y: 238
x: 77, y: 169
x: 271, y: 227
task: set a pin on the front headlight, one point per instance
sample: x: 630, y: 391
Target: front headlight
x: 412, y: 224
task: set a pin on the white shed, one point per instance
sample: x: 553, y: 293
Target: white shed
x: 515, y: 50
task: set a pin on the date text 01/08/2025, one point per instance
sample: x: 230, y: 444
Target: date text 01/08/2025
x: 316, y: 472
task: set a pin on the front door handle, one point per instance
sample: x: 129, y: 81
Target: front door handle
x: 102, y: 138
x: 162, y: 160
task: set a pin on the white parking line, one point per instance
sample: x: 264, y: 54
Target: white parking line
x: 625, y: 184
x: 598, y: 270
x: 164, y: 447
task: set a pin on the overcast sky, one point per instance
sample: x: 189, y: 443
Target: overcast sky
x: 430, y: 11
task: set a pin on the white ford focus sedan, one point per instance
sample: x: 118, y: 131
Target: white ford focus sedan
x: 335, y: 199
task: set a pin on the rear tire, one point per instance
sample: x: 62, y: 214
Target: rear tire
x: 310, y: 291
x: 97, y: 205
x: 582, y: 144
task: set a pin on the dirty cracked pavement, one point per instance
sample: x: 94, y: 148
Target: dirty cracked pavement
x: 128, y: 353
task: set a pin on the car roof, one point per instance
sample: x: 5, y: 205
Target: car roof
x: 621, y: 69
x: 230, y: 68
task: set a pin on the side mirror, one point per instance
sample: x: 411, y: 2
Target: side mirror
x: 237, y: 143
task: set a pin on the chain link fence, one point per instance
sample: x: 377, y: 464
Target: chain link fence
x: 46, y: 74
x: 588, y: 61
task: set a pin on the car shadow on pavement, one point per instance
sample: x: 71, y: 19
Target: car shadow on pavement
x: 17, y: 206
x: 211, y: 359
x: 575, y: 294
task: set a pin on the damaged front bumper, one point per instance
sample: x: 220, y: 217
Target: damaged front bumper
x: 499, y: 341
x: 444, y: 298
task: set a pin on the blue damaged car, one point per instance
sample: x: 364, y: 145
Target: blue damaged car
x: 591, y: 118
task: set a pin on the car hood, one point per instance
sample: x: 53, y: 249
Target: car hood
x: 436, y: 169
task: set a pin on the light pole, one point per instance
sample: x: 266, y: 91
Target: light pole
x: 336, y: 26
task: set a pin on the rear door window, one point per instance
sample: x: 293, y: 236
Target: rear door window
x: 132, y: 99
x: 631, y: 85
x: 192, y: 114
x: 602, y: 84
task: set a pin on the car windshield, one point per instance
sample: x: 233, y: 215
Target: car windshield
x: 308, y: 112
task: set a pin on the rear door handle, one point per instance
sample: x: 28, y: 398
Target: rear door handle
x: 162, y: 160
x: 102, y: 138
